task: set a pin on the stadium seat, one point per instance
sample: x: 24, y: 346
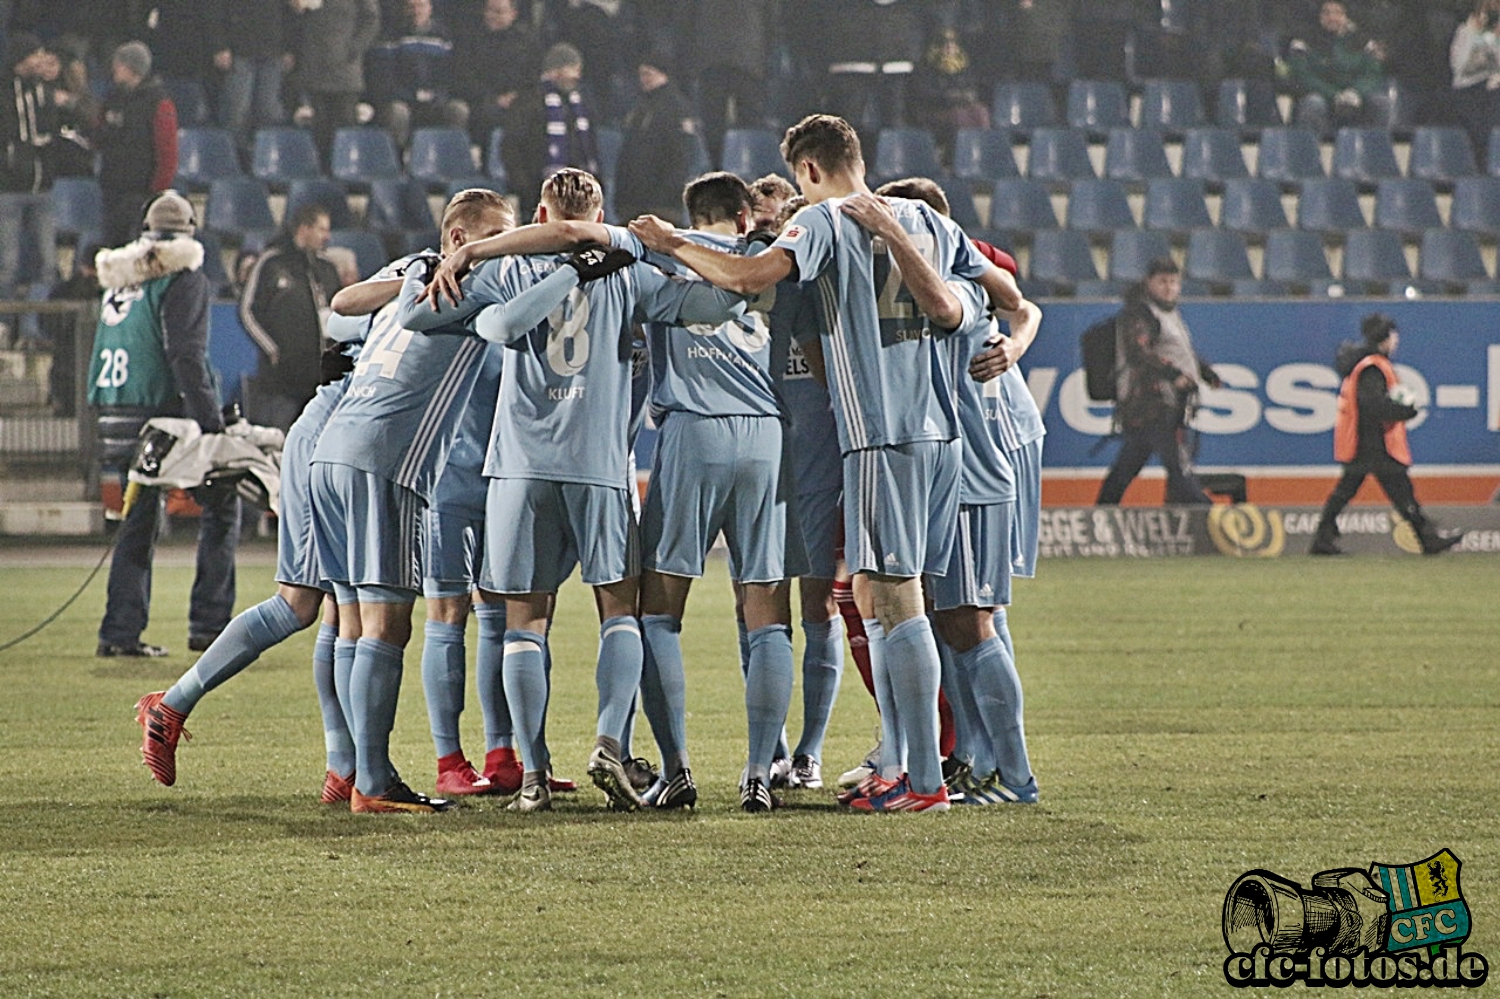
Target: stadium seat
x: 609, y: 141
x: 1100, y: 289
x: 1252, y: 206
x: 1253, y: 288
x: 1173, y: 106
x: 1289, y: 156
x: 417, y: 240
x: 398, y: 204
x: 1247, y: 105
x: 189, y: 98
x: 961, y: 206
x: 1194, y: 288
x: 1098, y: 106
x: 1329, y: 205
x: 1403, y: 109
x: 1295, y: 256
x: 464, y: 183
x: 282, y: 155
x: 1441, y: 155
x: 1374, y: 258
x: 905, y: 152
x: 437, y: 155
x: 1217, y: 256
x: 1132, y: 249
x: 494, y: 162
x: 1213, y: 156
x: 752, y: 153
x: 369, y: 252
x: 203, y: 156
x: 363, y: 154
x: 213, y: 264
x: 1364, y: 155
x: 1476, y: 206
x: 1062, y: 257
x: 1175, y: 204
x: 1019, y: 207
x: 330, y: 194
x: 1059, y: 155
x: 239, y: 209
x: 1451, y: 256
x: 1023, y: 106
x: 981, y: 156
x: 1135, y: 155
x: 77, y: 209
x: 1098, y: 207
x: 1407, y: 206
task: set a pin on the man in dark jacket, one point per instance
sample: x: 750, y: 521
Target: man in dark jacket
x: 28, y: 126
x: 1157, y: 386
x: 1369, y: 438
x: 656, y: 152
x: 332, y: 37
x: 494, y: 61
x: 550, y: 127
x: 1338, y: 71
x: 254, y: 57
x: 150, y: 358
x: 282, y: 307
x: 137, y: 142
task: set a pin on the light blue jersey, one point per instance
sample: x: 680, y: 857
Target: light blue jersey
x: 1019, y: 420
x: 812, y: 440
x: 987, y: 474
x: 886, y: 379
x: 461, y: 487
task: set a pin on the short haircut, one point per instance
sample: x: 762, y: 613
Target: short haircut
x: 1376, y: 327
x: 917, y: 189
x: 308, y: 214
x: 793, y: 205
x: 828, y: 141
x: 1162, y: 265
x: 772, y: 185
x: 716, y: 197
x: 469, y: 207
x: 574, y: 194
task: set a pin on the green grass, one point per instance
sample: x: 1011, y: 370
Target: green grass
x: 1188, y: 720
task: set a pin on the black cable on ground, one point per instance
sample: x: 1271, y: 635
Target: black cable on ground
x: 66, y: 603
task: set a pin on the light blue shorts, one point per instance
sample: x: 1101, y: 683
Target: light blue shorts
x: 901, y: 508
x: 366, y: 529
x: 1027, y: 522
x: 296, y: 555
x: 979, y: 569
x: 712, y: 474
x: 821, y: 519
x: 537, y: 531
x: 452, y: 551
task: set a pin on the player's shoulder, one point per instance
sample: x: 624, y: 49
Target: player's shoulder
x: 813, y: 219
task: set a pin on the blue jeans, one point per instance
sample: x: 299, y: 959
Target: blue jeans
x: 128, y: 603
x: 28, y: 253
x: 251, y: 97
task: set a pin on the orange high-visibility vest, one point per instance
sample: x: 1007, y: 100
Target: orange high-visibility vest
x: 1346, y: 426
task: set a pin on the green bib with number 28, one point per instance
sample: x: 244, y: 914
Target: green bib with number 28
x: 129, y: 366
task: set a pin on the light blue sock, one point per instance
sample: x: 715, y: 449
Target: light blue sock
x: 892, y: 753
x: 997, y: 695
x: 337, y: 741
x: 546, y: 753
x: 374, y: 687
x: 489, y: 659
x: 822, y: 669
x: 627, y: 734
x: 343, y: 666
x: 781, y: 744
x: 526, y: 691
x: 664, y: 689
x: 970, y: 742
x: 911, y: 663
x: 768, y: 693
x: 252, y: 632
x: 618, y: 674
x: 443, y: 669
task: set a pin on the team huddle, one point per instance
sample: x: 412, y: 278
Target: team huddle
x: 833, y: 393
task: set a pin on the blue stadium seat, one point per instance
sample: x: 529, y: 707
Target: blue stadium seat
x: 239, y: 209
x: 1023, y: 106
x: 363, y: 154
x: 189, y: 98
x: 203, y: 156
x: 1175, y: 204
x: 282, y: 155
x: 1289, y: 156
x: 1329, y: 205
x: 494, y: 163
x: 1135, y: 155
x: 1253, y: 288
x: 981, y: 156
x: 437, y: 155
x: 1403, y: 108
x: 77, y: 209
x: 330, y: 194
x: 1173, y: 106
x: 609, y: 141
x: 905, y: 152
x: 1212, y: 155
x: 213, y: 264
x: 1252, y: 206
x: 1020, y: 207
x: 753, y: 153
x: 1132, y: 249
x: 1100, y: 289
x: 1099, y: 207
x: 1059, y: 155
x: 1476, y: 206
x: 961, y: 206
x: 1217, y: 256
x: 369, y: 252
x: 1441, y: 154
x: 1295, y: 256
x: 1247, y: 105
x: 1098, y: 106
x: 417, y: 240
x: 464, y: 183
x: 398, y: 204
x: 1451, y: 256
x: 1375, y: 259
x: 1406, y: 205
x: 1062, y: 257
x: 1364, y: 155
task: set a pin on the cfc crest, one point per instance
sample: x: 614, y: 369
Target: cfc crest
x: 1426, y: 906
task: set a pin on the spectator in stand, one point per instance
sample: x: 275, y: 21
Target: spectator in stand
x: 599, y: 30
x: 657, y: 151
x: 282, y: 307
x: 1475, y: 58
x: 1337, y: 68
x: 494, y: 61
x: 331, y: 39
x: 729, y: 45
x: 64, y: 332
x: 185, y: 35
x: 871, y: 48
x: 70, y: 153
x: 945, y: 92
x: 1038, y: 31
x: 551, y: 128
x: 28, y: 126
x: 136, y: 137
x: 415, y: 88
x: 253, y: 60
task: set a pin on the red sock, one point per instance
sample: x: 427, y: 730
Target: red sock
x: 854, y: 625
x: 947, y: 738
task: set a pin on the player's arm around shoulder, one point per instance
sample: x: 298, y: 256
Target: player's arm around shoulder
x: 728, y: 271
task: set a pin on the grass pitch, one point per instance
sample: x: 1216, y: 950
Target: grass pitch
x: 1188, y: 720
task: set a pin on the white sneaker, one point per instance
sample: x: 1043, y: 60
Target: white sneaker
x: 781, y: 773
x: 852, y: 778
x: 806, y: 772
